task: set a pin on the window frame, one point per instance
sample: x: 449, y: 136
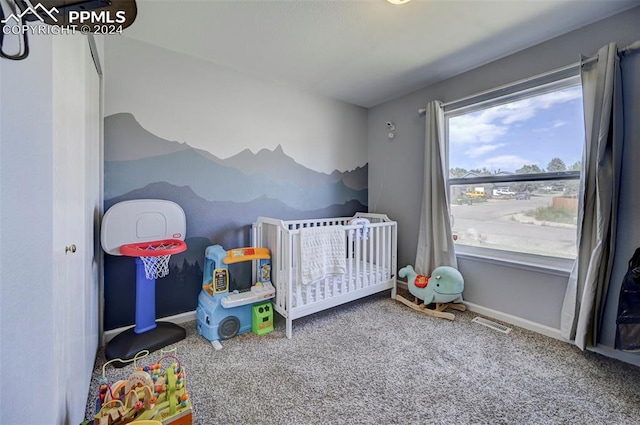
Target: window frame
x: 545, y: 83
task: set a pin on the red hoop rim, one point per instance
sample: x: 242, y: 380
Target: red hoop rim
x: 142, y: 249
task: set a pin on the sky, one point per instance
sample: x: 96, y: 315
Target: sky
x: 531, y: 131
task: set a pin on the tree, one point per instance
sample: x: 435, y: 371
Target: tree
x: 483, y: 172
x: 457, y: 172
x: 556, y: 164
x: 529, y: 169
x: 576, y: 166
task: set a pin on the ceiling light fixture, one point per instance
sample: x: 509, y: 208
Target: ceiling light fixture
x: 398, y: 2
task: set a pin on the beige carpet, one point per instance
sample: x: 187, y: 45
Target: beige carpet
x: 375, y: 361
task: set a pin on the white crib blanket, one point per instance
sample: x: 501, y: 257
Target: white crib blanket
x: 322, y: 252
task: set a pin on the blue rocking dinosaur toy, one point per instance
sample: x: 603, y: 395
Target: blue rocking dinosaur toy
x: 443, y: 287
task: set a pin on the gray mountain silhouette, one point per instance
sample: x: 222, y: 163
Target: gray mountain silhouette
x: 228, y: 223
x: 216, y: 182
x: 126, y: 140
x: 276, y: 164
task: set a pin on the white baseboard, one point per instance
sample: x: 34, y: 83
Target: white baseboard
x: 624, y: 356
x: 177, y: 319
x: 507, y: 318
x: 516, y: 321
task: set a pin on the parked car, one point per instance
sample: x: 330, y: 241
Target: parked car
x: 503, y: 192
x: 476, y: 194
x: 523, y: 196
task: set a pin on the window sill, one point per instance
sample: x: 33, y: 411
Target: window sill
x: 537, y: 263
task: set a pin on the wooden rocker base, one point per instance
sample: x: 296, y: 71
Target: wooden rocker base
x: 437, y: 312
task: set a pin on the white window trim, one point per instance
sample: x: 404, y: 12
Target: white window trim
x: 563, y: 78
x: 533, y: 262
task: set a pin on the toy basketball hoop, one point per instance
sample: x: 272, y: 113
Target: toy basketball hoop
x: 155, y: 255
x: 151, y: 231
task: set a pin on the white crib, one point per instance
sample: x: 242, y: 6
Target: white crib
x: 370, y: 264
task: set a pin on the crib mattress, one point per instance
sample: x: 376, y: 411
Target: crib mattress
x: 367, y: 274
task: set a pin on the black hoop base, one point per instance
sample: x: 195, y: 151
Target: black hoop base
x: 128, y: 343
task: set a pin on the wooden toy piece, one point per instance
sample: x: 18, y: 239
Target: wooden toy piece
x: 147, y: 397
x: 122, y: 410
x: 137, y: 378
x: 423, y: 309
x: 115, y: 390
x: 453, y: 306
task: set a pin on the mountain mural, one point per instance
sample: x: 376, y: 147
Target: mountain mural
x: 134, y: 156
x: 221, y: 199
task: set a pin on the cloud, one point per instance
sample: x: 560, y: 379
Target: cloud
x: 483, y: 149
x: 559, y: 123
x: 505, y: 163
x: 474, y: 128
x: 485, y: 126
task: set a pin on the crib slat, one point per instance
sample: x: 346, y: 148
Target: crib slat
x: 378, y: 252
x: 387, y: 256
x: 335, y: 284
x: 326, y: 287
x: 370, y: 242
x: 385, y: 264
x: 350, y: 266
x: 358, y: 259
x: 298, y: 269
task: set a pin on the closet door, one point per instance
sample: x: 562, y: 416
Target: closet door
x: 75, y: 189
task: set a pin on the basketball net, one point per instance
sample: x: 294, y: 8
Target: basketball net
x: 154, y: 255
x: 156, y: 267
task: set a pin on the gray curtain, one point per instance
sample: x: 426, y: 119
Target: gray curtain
x: 435, y: 241
x: 601, y: 164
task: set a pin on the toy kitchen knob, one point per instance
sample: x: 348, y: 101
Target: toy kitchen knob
x: 70, y: 249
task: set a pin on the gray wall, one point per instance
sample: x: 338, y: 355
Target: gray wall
x: 396, y: 167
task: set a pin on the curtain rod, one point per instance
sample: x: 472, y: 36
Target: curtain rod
x: 524, y: 80
x: 422, y: 111
x: 630, y: 48
x: 626, y: 50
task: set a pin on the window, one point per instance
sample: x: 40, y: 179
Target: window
x: 514, y: 170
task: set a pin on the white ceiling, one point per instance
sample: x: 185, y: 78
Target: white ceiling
x: 359, y: 51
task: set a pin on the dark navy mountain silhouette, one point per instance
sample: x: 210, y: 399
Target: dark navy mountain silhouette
x: 208, y: 222
x: 228, y: 223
